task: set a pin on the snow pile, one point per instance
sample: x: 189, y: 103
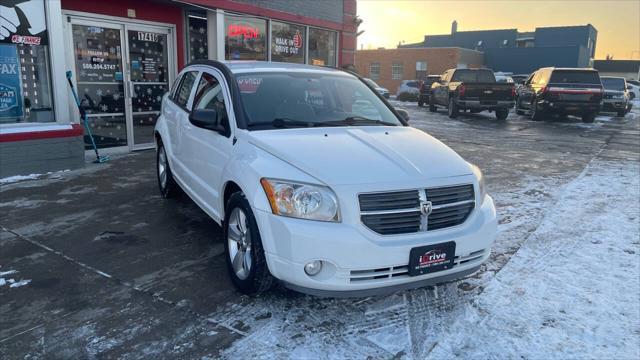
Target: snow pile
x: 12, y: 282
x: 16, y: 178
x: 572, y: 290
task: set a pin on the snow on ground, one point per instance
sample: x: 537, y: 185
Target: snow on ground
x: 572, y: 289
x: 13, y: 283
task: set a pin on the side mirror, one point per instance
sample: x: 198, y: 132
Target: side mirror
x: 207, y: 119
x: 404, y: 113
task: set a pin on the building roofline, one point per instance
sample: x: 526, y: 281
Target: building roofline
x: 424, y: 47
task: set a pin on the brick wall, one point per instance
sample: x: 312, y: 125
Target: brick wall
x: 438, y: 60
x: 41, y: 156
x: 330, y: 10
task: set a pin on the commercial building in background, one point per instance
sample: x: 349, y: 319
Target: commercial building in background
x: 388, y: 67
x: 628, y: 69
x: 509, y: 50
x: 124, y: 55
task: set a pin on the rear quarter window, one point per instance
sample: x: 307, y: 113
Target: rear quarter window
x: 574, y: 77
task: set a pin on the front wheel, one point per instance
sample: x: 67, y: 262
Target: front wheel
x: 501, y: 114
x: 519, y: 110
x: 246, y: 262
x: 420, y: 103
x: 432, y: 106
x: 453, y: 109
x: 621, y: 113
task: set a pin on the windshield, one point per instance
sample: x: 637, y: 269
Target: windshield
x: 471, y: 76
x: 294, y: 98
x: 574, y: 77
x: 613, y: 83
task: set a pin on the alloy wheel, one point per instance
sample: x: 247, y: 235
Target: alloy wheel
x: 162, y: 168
x: 239, y: 242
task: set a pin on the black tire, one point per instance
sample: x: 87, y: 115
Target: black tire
x: 501, y: 114
x: 432, y: 106
x: 588, y: 118
x: 519, y: 110
x: 259, y: 279
x: 632, y: 96
x: 536, y: 114
x: 452, y: 109
x: 621, y: 113
x: 420, y: 103
x: 167, y: 184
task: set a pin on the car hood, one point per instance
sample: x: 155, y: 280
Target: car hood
x: 361, y: 155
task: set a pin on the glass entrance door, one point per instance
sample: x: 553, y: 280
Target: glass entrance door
x: 148, y: 50
x: 98, y: 57
x: 122, y: 70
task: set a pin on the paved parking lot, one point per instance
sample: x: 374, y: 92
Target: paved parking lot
x: 101, y: 266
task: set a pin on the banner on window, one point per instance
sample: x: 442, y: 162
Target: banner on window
x: 23, y: 22
x: 10, y: 89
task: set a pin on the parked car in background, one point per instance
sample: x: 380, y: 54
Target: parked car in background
x: 474, y: 90
x: 633, y: 91
x: 633, y: 82
x: 561, y: 91
x: 382, y: 91
x: 519, y: 78
x: 615, y: 98
x: 293, y: 161
x: 503, y: 78
x: 425, y: 88
x: 409, y: 90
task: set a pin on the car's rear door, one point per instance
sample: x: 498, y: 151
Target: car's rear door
x: 176, y: 112
x: 206, y: 152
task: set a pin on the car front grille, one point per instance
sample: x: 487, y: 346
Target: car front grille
x: 399, y: 212
x: 402, y: 271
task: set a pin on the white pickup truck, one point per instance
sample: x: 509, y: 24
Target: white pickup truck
x: 318, y: 182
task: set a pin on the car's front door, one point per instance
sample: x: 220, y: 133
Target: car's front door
x: 206, y: 152
x: 176, y: 112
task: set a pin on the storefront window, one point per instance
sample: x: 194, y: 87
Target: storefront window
x: 322, y: 47
x: 245, y: 38
x: 25, y: 88
x: 287, y: 42
x: 197, y: 35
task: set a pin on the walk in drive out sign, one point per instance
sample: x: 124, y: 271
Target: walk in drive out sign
x: 10, y: 90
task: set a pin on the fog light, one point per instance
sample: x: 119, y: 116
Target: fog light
x: 313, y: 268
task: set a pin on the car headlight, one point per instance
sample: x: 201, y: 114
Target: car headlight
x: 481, y: 185
x: 303, y: 201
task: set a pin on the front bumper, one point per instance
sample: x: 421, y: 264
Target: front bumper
x: 614, y: 104
x: 488, y: 105
x: 358, y: 262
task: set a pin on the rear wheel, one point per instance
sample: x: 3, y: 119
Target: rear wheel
x: 453, y: 109
x: 246, y: 262
x: 536, y: 114
x: 501, y: 114
x: 166, y: 183
x: 519, y: 110
x: 588, y: 118
x: 432, y: 106
x: 420, y: 103
x: 621, y: 113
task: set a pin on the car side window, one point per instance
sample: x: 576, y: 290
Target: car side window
x: 184, y: 89
x: 209, y: 96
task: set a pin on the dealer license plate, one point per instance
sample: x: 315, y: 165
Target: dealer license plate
x: 431, y: 258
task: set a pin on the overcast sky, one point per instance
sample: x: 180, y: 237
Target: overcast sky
x: 386, y: 22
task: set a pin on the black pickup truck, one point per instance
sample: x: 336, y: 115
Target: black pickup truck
x: 474, y: 90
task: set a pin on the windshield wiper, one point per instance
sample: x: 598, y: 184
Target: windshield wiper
x: 359, y: 120
x: 283, y: 123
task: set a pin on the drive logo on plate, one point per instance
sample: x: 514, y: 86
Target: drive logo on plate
x: 432, y: 258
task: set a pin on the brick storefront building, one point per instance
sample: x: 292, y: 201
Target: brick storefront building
x: 388, y: 67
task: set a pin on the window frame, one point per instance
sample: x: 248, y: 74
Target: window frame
x: 371, y: 65
x: 195, y: 83
x: 394, y: 74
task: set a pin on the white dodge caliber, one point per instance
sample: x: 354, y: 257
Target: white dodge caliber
x: 318, y: 182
